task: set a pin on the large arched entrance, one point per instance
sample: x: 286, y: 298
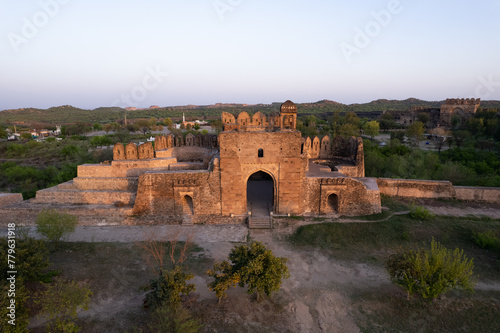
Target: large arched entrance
x: 260, y: 194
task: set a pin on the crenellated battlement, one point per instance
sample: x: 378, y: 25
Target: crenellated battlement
x: 463, y: 101
x: 285, y: 120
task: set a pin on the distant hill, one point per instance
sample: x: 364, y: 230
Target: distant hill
x: 68, y: 114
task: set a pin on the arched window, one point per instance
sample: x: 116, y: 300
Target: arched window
x: 261, y: 152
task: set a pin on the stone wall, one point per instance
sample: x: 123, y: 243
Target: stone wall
x: 341, y: 195
x: 189, y: 154
x: 124, y: 168
x: 415, y: 188
x: 437, y: 189
x: 7, y: 199
x: 171, y: 195
x: 462, y: 108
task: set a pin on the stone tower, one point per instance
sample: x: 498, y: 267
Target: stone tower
x: 288, y: 115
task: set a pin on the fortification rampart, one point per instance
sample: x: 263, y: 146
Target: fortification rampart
x: 437, y: 189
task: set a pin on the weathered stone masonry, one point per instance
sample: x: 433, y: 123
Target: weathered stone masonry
x: 206, y: 178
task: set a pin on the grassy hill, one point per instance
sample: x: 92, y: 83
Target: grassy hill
x: 69, y: 114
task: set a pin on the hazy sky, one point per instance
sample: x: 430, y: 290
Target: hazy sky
x: 90, y: 53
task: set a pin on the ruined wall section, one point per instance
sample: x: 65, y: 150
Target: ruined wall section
x: 342, y: 196
x: 281, y: 159
x: 163, y: 194
x: 348, y: 154
x: 462, y: 108
x: 412, y: 188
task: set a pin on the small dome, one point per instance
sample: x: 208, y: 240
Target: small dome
x: 288, y: 106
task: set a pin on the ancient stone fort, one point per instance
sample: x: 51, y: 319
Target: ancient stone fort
x: 258, y: 168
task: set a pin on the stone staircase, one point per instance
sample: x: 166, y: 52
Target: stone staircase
x: 91, y: 190
x: 260, y: 222
x: 187, y: 220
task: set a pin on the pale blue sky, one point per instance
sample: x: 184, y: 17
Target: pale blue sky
x: 91, y: 53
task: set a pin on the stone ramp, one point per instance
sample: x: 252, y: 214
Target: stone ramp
x: 91, y: 190
x: 198, y: 234
x: 77, y: 196
x: 25, y: 213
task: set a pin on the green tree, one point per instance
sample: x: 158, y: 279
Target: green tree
x: 252, y: 265
x: 26, y: 135
x: 372, y: 128
x: 347, y: 130
x: 440, y: 135
x: 196, y: 126
x: 60, y: 302
x: 143, y: 125
x: 32, y: 258
x: 21, y: 311
x: 107, y: 128
x: 430, y: 273
x: 132, y: 128
x: 460, y: 136
x: 100, y: 141
x: 54, y: 225
x: 3, y: 133
x: 168, y: 287
x: 352, y: 118
x: 224, y: 278
x: 217, y: 126
x: 415, y: 132
x: 386, y: 121
x: 173, y: 320
x: 423, y: 118
x: 97, y: 127
x: 167, y: 122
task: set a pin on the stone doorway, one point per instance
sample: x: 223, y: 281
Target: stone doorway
x: 260, y: 194
x: 187, y: 205
x: 333, y: 203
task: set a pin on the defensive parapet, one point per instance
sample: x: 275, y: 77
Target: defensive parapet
x: 148, y: 150
x: 285, y: 120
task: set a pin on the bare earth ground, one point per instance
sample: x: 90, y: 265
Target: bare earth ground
x: 318, y: 296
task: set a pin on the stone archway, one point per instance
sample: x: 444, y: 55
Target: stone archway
x: 260, y: 194
x: 333, y: 203
x: 187, y: 205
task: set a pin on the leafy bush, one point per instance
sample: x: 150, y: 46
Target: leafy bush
x: 31, y: 258
x: 487, y: 240
x: 60, y: 303
x: 168, y: 287
x: 253, y: 265
x: 21, y: 315
x: 430, y: 273
x: 70, y: 150
x: 176, y: 320
x: 420, y: 213
x: 54, y: 226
